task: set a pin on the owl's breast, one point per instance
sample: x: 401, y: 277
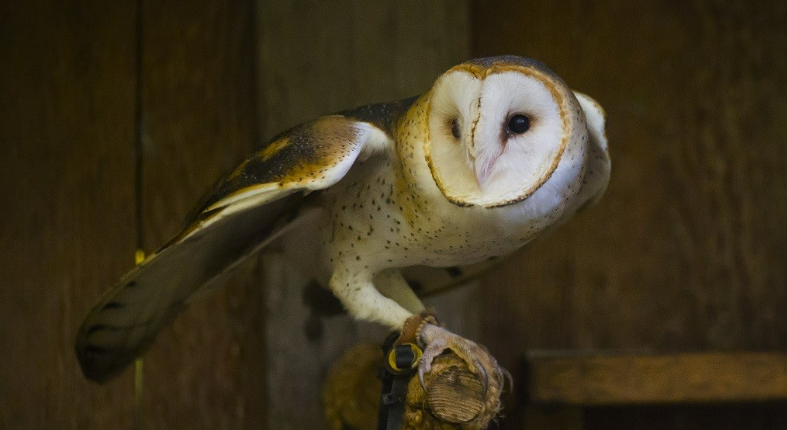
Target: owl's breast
x: 389, y: 211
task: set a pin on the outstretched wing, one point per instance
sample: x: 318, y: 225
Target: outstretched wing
x: 245, y: 211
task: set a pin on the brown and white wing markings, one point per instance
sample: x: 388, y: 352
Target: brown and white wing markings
x: 254, y: 204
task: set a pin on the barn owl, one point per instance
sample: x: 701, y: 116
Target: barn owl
x: 373, y: 200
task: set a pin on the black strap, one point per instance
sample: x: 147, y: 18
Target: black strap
x: 391, y: 416
x: 394, y: 392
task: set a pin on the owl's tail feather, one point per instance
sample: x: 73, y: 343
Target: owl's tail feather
x: 125, y: 322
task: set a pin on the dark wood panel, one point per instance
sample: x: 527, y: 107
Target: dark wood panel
x: 764, y: 416
x: 687, y: 249
x: 198, y: 121
x: 67, y: 196
x: 627, y: 379
x: 68, y: 126
x: 318, y: 58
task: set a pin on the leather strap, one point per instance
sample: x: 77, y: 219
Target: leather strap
x: 411, y: 329
x: 394, y: 392
x: 394, y: 395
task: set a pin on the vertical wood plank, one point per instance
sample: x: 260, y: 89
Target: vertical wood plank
x: 198, y: 121
x: 687, y: 249
x: 66, y: 189
x: 316, y: 58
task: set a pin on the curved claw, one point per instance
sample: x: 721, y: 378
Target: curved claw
x: 421, y: 378
x: 436, y: 340
x: 509, y: 378
x: 483, y: 373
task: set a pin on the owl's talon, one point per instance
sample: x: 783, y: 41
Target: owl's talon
x: 509, y: 378
x: 485, y: 377
x: 436, y: 340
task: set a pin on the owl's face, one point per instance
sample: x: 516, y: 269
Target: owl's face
x: 498, y: 130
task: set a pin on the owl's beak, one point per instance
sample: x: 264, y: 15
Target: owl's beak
x: 483, y: 159
x: 483, y: 169
x: 479, y: 154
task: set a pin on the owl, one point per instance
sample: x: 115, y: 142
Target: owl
x: 424, y: 191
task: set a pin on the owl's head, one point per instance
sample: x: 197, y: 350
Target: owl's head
x: 499, y: 128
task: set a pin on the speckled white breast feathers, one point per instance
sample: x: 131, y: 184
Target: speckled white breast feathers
x: 498, y: 151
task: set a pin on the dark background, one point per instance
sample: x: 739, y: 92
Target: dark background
x: 115, y: 116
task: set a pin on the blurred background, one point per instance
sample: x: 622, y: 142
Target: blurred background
x: 116, y: 115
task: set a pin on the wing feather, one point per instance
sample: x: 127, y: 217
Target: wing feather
x: 245, y: 210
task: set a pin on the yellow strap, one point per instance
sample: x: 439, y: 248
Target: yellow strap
x: 139, y: 257
x: 413, y: 364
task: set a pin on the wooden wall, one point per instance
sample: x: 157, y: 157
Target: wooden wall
x: 67, y: 88
x: 687, y: 250
x: 114, y: 118
x: 74, y: 77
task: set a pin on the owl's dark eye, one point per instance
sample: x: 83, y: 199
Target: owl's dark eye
x: 518, y: 124
x: 455, y: 128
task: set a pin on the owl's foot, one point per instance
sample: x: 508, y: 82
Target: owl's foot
x: 437, y: 340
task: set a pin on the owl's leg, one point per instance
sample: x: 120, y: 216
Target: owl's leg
x: 392, y: 284
x: 358, y: 294
x: 364, y: 301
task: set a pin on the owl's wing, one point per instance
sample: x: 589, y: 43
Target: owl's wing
x: 599, y: 165
x: 245, y: 211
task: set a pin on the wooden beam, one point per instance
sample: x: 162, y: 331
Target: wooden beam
x: 597, y: 380
x: 67, y: 199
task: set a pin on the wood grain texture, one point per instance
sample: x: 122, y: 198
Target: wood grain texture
x: 199, y: 120
x: 687, y: 249
x: 602, y: 380
x: 765, y: 416
x: 67, y: 193
x: 317, y: 58
x: 68, y: 126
